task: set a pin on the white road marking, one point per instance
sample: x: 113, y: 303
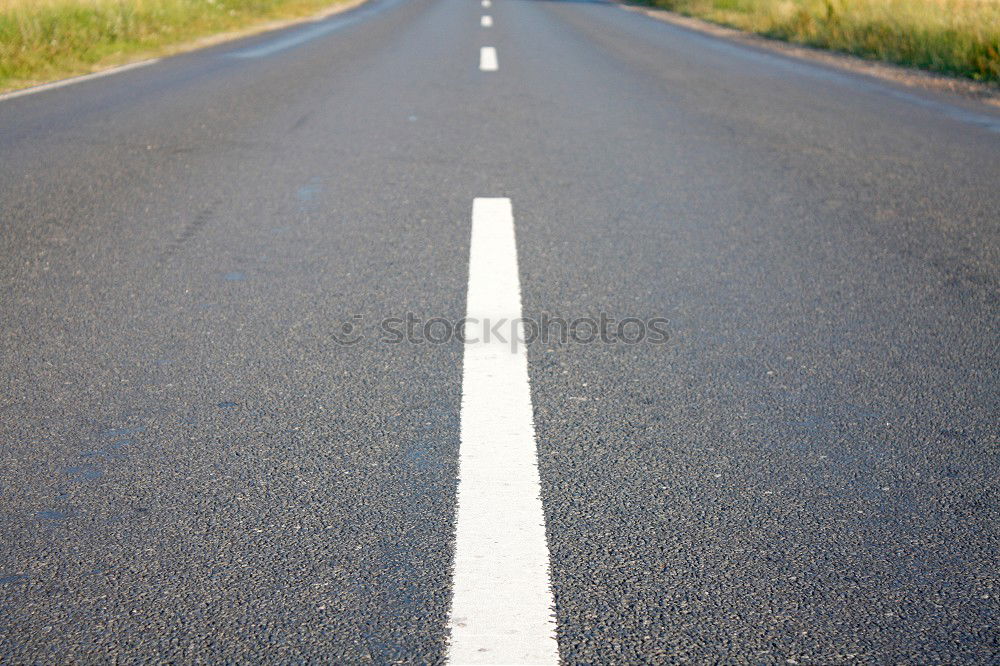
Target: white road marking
x: 354, y: 11
x: 301, y: 36
x: 486, y: 21
x: 501, y: 611
x: 488, y: 59
x: 76, y: 79
x: 487, y: 3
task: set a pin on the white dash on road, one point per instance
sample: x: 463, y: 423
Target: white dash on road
x: 486, y: 21
x: 76, y: 79
x: 502, y: 607
x: 487, y: 3
x: 488, y: 59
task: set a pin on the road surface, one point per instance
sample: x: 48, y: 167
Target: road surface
x: 213, y: 451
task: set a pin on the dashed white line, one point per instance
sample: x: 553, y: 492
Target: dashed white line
x: 501, y: 611
x: 487, y: 3
x: 486, y: 21
x: 488, y: 59
x: 76, y: 79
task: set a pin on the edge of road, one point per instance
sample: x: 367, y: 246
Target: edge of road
x: 148, y: 58
x: 913, y: 78
x: 906, y: 76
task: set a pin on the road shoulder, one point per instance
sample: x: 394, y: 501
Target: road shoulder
x: 906, y: 76
x: 140, y: 58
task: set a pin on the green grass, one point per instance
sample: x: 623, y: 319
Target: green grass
x: 957, y: 37
x: 42, y: 40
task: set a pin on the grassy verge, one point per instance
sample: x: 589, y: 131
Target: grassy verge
x: 42, y: 40
x: 958, y: 37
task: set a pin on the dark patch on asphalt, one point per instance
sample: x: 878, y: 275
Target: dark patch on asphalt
x: 84, y: 473
x: 300, y: 123
x: 188, y: 232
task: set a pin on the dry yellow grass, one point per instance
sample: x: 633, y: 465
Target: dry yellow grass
x: 46, y: 39
x: 959, y: 37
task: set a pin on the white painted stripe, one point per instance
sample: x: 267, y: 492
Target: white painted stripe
x: 487, y: 3
x: 488, y: 59
x: 301, y: 36
x: 501, y: 611
x: 76, y: 79
x: 486, y: 21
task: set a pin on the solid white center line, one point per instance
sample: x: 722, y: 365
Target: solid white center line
x: 486, y: 21
x: 501, y: 611
x: 488, y: 59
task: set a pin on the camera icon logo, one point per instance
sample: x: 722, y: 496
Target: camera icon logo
x: 349, y: 332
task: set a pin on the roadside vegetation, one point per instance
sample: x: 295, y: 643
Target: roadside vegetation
x: 42, y: 40
x: 958, y: 37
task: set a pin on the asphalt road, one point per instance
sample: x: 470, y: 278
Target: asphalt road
x: 193, y: 468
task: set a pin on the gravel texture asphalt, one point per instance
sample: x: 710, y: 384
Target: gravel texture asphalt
x: 193, y: 468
